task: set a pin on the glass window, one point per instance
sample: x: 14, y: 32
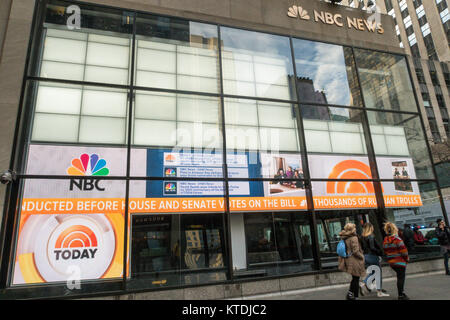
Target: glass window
x: 331, y: 223
x: 176, y: 54
x: 385, y: 81
x: 256, y: 64
x: 97, y: 52
x: 417, y: 221
x: 399, y: 137
x: 260, y: 125
x: 326, y: 73
x: 173, y: 250
x: 80, y: 114
x: 66, y: 231
x: 278, y: 243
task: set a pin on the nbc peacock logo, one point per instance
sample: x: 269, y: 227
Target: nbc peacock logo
x: 87, y: 165
x: 298, y: 12
x: 350, y: 169
x: 76, y: 242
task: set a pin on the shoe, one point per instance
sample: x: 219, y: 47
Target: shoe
x: 381, y: 294
x: 350, y: 296
x: 447, y: 273
x: 403, y: 297
x: 363, y: 286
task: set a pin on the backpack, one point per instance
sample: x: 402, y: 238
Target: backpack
x: 342, y: 249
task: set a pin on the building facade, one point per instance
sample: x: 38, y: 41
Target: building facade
x: 158, y: 145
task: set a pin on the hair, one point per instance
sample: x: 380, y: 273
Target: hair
x: 349, y: 229
x: 439, y: 221
x: 367, y: 229
x: 390, y: 228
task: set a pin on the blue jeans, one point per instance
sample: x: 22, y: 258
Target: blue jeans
x: 372, y: 260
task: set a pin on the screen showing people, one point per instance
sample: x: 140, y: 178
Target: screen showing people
x: 401, y: 175
x: 286, y: 170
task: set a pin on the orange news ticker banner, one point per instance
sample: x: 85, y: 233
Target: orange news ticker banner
x: 178, y: 205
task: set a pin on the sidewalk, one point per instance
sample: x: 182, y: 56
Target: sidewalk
x: 428, y: 286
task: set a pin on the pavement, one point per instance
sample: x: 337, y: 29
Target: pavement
x: 426, y: 286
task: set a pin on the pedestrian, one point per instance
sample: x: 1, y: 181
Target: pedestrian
x: 397, y: 256
x: 372, y: 255
x: 408, y: 237
x: 419, y: 239
x: 443, y: 235
x: 354, y: 262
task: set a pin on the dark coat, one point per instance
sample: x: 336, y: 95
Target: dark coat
x: 371, y: 246
x: 354, y: 264
x: 443, y: 236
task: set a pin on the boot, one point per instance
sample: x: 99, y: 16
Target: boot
x: 350, y: 296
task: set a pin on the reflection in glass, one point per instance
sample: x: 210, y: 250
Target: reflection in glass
x: 385, y: 81
x: 333, y: 130
x: 326, y: 73
x: 400, y: 135
x: 419, y: 219
x: 259, y: 125
x: 256, y: 64
x: 176, y: 54
x: 278, y: 243
x: 174, y: 120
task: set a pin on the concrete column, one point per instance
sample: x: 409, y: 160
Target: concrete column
x: 12, y: 64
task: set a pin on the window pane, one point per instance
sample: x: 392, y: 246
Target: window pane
x: 176, y: 54
x: 416, y: 216
x: 102, y: 130
x: 326, y: 73
x: 256, y: 64
x: 398, y: 138
x: 55, y: 127
x: 339, y: 131
x: 385, y: 81
x: 99, y: 51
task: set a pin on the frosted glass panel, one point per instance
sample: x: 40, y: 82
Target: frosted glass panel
x: 64, y: 50
x: 155, y: 79
x: 197, y: 65
x: 101, y: 54
x: 106, y: 103
x: 106, y: 75
x: 190, y: 83
x: 198, y: 110
x: 102, y: 130
x: 398, y: 131
x: 397, y: 145
x: 271, y: 74
x: 276, y: 139
x: 156, y: 106
x: 274, y: 116
x: 110, y: 40
x: 379, y: 144
x: 239, y: 88
x: 156, y: 60
x: 55, y: 127
x: 345, y: 127
x: 317, y: 141
x: 238, y: 70
x: 241, y: 113
x: 344, y: 142
x: 198, y: 135
x: 273, y: 91
x: 58, y: 70
x: 154, y: 133
x: 58, y: 100
x: 242, y: 138
x: 315, y: 125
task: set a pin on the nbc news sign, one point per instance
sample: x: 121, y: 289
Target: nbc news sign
x: 370, y: 24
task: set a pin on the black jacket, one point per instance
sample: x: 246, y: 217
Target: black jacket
x: 370, y: 246
x: 443, y: 236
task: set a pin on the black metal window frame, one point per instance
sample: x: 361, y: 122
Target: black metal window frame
x: 8, y: 232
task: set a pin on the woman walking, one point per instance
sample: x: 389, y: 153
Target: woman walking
x: 354, y: 262
x: 397, y: 256
x: 372, y: 253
